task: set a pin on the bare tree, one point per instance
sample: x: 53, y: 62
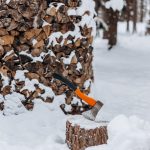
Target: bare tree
x: 134, y: 15
x: 141, y: 10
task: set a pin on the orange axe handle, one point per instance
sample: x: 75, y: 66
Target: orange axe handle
x: 86, y: 98
x: 81, y: 95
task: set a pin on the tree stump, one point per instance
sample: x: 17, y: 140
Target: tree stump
x: 82, y: 133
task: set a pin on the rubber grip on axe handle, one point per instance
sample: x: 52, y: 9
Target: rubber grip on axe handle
x: 74, y: 87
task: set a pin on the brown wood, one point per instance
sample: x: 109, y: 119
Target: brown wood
x: 26, y: 27
x: 81, y: 133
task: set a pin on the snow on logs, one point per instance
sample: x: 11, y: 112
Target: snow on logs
x: 38, y: 39
x: 82, y: 133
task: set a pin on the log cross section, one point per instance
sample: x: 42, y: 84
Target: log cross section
x: 79, y: 138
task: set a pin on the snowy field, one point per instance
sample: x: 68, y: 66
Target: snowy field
x: 122, y: 75
x: 121, y: 81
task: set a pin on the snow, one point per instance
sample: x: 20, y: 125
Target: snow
x: 20, y: 75
x: 86, y: 5
x: 36, y: 130
x: 8, y: 54
x: 115, y: 4
x: 87, y: 19
x: 51, y: 53
x: 100, y: 20
x: 34, y: 59
x: 71, y: 12
x: 122, y: 75
x: 56, y: 35
x: 48, y: 91
x: 85, y: 123
x: 34, y: 41
x: 30, y: 85
x: 8, y: 1
x: 127, y: 133
x: 45, y: 23
x: 68, y: 60
x: 75, y: 101
x: 1, y: 98
x: 79, y: 66
x: 87, y: 83
x: 5, y: 80
x: 121, y: 82
x: 13, y: 104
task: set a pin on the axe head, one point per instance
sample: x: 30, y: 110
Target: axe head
x: 92, y: 113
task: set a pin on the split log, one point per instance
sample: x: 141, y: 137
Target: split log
x: 82, y: 133
x: 6, y: 40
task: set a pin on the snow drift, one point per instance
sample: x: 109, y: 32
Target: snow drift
x: 127, y: 133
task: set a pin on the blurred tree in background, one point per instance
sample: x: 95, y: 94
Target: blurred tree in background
x: 132, y: 12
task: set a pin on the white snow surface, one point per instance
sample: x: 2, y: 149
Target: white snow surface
x: 127, y: 134
x: 115, y: 4
x: 68, y: 60
x: 13, y: 104
x: 20, y: 75
x: 87, y: 19
x: 79, y: 66
x: 34, y: 41
x: 5, y: 80
x: 7, y: 1
x: 122, y: 78
x: 71, y: 12
x: 85, y: 123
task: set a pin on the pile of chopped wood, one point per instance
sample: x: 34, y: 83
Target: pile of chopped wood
x: 38, y: 38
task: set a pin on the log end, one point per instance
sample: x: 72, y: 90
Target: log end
x: 82, y: 133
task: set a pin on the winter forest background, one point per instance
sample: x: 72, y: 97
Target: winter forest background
x: 103, y: 46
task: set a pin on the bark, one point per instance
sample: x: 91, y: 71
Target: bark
x: 111, y: 18
x: 141, y: 10
x: 128, y: 15
x: 135, y: 15
x: 79, y: 138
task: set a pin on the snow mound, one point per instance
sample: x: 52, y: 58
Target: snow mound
x: 127, y: 134
x: 115, y: 4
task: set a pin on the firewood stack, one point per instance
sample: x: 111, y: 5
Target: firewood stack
x: 38, y: 38
x: 81, y: 133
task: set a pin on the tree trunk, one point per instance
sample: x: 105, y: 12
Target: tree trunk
x: 111, y: 19
x: 141, y: 10
x: 128, y: 15
x: 134, y: 16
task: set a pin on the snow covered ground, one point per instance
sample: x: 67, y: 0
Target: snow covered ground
x: 122, y: 75
x: 121, y: 81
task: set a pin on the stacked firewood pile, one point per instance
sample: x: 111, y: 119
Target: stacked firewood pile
x: 80, y: 135
x: 38, y: 38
